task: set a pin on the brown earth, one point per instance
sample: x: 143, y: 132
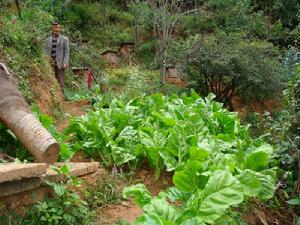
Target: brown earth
x: 270, y: 105
x: 259, y: 213
x: 50, y: 100
x: 47, y: 93
x: 126, y: 211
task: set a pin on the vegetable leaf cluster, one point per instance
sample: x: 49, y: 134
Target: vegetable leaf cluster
x: 216, y: 163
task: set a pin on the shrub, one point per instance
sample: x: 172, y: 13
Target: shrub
x: 228, y: 65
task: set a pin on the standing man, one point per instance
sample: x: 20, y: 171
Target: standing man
x: 57, y: 47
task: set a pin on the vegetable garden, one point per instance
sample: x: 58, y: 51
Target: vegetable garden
x: 215, y: 162
x: 210, y: 161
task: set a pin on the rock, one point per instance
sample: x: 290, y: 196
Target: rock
x: 76, y: 169
x: 16, y: 171
x: 16, y: 187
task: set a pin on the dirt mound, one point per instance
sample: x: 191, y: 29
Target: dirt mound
x: 47, y: 93
x: 49, y: 97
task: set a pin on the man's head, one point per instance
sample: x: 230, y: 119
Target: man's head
x: 56, y: 28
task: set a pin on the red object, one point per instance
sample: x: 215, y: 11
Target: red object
x: 89, y: 78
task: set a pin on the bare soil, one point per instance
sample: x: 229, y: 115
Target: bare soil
x: 243, y: 108
x: 264, y: 214
x: 49, y: 97
x: 47, y: 93
x: 125, y: 211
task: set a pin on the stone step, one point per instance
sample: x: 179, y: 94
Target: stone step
x: 19, y: 186
x: 18, y: 171
x: 76, y: 169
x: 17, y: 178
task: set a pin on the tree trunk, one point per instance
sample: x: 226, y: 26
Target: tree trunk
x: 15, y: 114
x: 136, y: 29
x: 162, y: 58
x: 18, y: 7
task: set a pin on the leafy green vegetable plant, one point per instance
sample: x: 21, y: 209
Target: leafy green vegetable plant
x: 171, y: 132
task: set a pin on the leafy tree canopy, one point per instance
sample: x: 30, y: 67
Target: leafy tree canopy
x: 230, y: 65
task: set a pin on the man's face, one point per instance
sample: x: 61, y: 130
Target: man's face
x: 56, y: 29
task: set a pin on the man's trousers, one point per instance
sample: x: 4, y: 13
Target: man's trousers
x: 60, y: 76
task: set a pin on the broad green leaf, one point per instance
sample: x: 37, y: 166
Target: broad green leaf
x: 162, y: 208
x: 188, y: 180
x: 179, y: 114
x: 249, y: 178
x: 165, y: 120
x: 194, y: 166
x: 174, y: 194
x: 191, y: 222
x: 205, y: 145
x: 250, y: 183
x: 294, y: 201
x: 225, y: 220
x: 184, y: 181
x: 141, y: 195
x: 127, y: 133
x: 191, y: 140
x: 267, y: 185
x: 265, y: 148
x: 59, y: 189
x: 121, y: 155
x: 146, y: 138
x: 199, y: 154
x: 221, y: 191
x: 227, y: 123
x: 258, y: 158
x: 256, y: 161
x: 151, y: 219
x: 157, y: 100
x: 169, y: 160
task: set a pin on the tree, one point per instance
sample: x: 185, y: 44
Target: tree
x: 286, y: 11
x: 229, y: 66
x: 166, y: 15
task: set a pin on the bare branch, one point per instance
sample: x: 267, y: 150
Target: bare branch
x: 179, y: 16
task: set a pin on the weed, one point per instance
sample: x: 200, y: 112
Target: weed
x: 105, y: 192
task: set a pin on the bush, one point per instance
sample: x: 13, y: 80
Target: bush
x: 284, y: 130
x: 228, y: 65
